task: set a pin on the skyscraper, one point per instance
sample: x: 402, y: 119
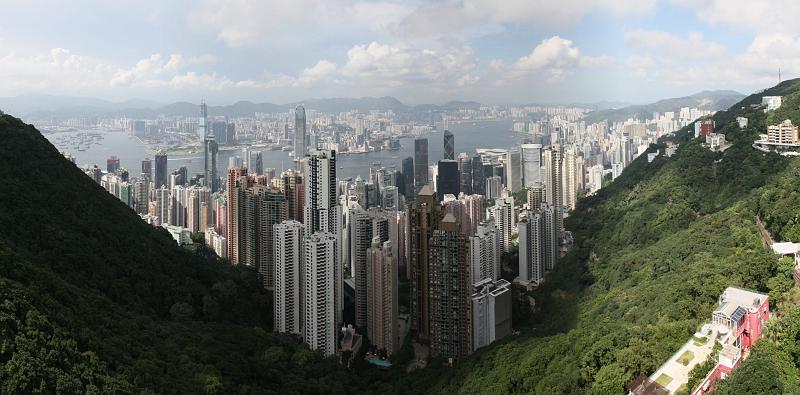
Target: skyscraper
x: 220, y: 131
x: 554, y: 187
x: 267, y: 207
x: 319, y: 171
x: 147, y: 168
x: 491, y: 312
x: 255, y: 164
x: 449, y: 145
x: 360, y: 240
x: 112, y: 164
x: 465, y: 169
x: 319, y: 323
x: 485, y: 253
x: 535, y: 196
x: 503, y: 214
x: 478, y: 177
x: 160, y: 178
x: 291, y: 182
x: 551, y: 240
x: 424, y: 215
x: 300, y: 133
x: 237, y: 183
x: 420, y: 163
x: 141, y: 193
x: 210, y: 149
x: 467, y: 209
x: 288, y: 240
x: 531, y: 164
x: 448, y: 181
x: 408, y: 177
x: 569, y: 181
x: 531, y: 247
x: 390, y: 198
x: 364, y: 227
x: 163, y: 203
x: 382, y: 301
x: 322, y: 213
x: 450, y: 290
x: 513, y: 170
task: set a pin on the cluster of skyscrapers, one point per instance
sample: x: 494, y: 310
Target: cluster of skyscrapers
x: 335, y: 252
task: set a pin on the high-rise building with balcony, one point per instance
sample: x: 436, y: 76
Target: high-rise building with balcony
x: 450, y: 289
x: 382, y: 299
x: 288, y: 257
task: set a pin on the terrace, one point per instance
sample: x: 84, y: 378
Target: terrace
x: 674, y: 374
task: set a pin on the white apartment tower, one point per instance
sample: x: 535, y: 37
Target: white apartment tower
x: 503, y: 214
x: 531, y: 247
x: 554, y: 188
x: 288, y: 236
x: 319, y: 322
x: 531, y: 164
x: 491, y: 312
x: 319, y: 172
x: 569, y: 180
x: 485, y: 252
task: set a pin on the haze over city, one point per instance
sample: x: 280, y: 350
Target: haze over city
x: 420, y: 52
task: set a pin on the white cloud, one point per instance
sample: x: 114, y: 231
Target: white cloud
x: 385, y: 65
x: 246, y: 23
x: 555, y: 56
x: 56, y: 70
x: 61, y: 71
x: 640, y: 65
x: 694, y: 46
x: 756, y: 66
x: 774, y: 16
x: 319, y: 71
x: 477, y: 17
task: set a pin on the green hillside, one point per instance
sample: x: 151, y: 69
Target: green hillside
x: 653, y: 252
x: 93, y: 300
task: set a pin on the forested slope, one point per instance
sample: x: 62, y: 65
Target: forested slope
x: 93, y: 300
x: 653, y: 252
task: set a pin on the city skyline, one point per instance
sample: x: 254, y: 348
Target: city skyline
x: 567, y: 52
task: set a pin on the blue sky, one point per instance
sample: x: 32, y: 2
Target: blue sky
x: 514, y: 51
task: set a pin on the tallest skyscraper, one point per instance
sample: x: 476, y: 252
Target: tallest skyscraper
x: 210, y: 149
x: 300, y: 133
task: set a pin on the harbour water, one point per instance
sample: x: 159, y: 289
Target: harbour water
x: 131, y: 151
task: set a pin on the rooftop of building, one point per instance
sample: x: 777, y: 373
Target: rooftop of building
x: 739, y: 297
x: 786, y: 248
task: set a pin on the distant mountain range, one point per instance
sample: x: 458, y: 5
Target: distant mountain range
x: 48, y: 106
x: 45, y: 106
x: 706, y: 100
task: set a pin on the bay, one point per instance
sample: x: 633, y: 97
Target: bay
x: 468, y: 137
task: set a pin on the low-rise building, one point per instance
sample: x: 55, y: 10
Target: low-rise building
x: 181, y: 235
x: 771, y: 102
x: 739, y: 320
x: 742, y: 121
x: 783, y: 133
